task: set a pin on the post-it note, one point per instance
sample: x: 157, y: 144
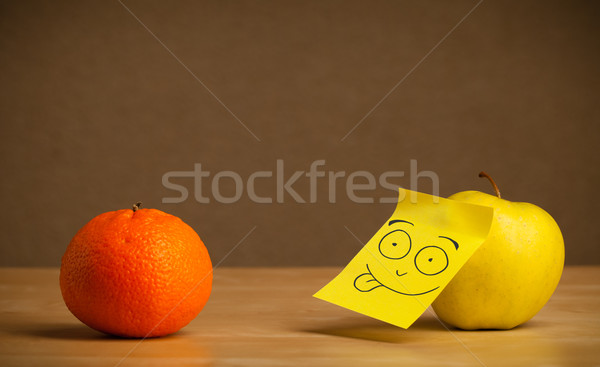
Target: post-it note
x: 411, y: 258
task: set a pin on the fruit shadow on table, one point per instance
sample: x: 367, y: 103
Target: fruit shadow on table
x: 378, y: 331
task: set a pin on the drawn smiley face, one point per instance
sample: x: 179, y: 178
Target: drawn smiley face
x: 404, y: 267
x: 411, y: 257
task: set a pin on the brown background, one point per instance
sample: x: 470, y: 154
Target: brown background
x: 94, y: 111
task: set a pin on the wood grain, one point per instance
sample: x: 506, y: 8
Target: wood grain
x: 267, y: 317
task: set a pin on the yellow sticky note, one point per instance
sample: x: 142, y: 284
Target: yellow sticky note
x: 411, y: 258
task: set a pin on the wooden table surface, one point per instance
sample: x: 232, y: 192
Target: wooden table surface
x: 267, y: 317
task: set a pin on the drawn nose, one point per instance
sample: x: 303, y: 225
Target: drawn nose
x: 398, y: 274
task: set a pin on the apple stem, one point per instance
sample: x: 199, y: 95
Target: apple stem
x: 483, y: 174
x: 136, y: 206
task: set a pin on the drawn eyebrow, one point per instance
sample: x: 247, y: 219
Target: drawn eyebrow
x: 399, y: 221
x: 448, y: 238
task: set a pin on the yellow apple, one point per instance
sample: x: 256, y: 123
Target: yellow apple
x: 514, y: 272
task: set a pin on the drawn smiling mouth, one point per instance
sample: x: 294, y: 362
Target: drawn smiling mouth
x: 367, y: 282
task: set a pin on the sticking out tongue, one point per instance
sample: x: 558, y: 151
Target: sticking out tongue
x: 366, y: 282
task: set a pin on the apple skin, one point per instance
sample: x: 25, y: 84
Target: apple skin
x: 512, y: 275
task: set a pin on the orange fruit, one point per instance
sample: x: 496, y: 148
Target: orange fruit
x: 136, y: 273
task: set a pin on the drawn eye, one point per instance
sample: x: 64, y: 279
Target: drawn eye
x: 431, y: 260
x: 395, y: 245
